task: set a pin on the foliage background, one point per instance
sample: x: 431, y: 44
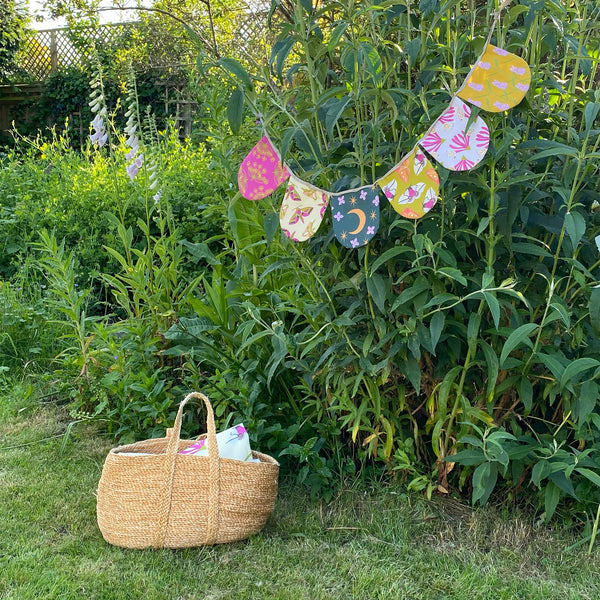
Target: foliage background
x: 458, y: 352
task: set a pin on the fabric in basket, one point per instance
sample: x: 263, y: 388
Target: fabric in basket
x: 232, y: 443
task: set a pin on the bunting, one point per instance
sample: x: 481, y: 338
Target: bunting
x: 458, y: 140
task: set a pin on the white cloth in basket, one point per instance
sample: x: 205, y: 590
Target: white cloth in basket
x: 232, y: 443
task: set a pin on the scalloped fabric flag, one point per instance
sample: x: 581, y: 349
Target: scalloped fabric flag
x: 302, y: 209
x: 355, y: 215
x: 412, y: 187
x: 261, y: 172
x: 451, y: 143
x: 498, y: 82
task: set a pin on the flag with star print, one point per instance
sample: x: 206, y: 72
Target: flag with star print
x: 355, y: 215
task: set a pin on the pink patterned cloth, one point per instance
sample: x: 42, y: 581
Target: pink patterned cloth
x: 261, y: 172
x: 452, y: 144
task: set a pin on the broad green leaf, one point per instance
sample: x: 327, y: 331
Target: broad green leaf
x: 590, y: 114
x: 484, y: 481
x: 441, y: 299
x: 271, y: 225
x: 376, y: 288
x: 335, y: 110
x: 491, y: 360
x: 590, y: 475
x: 549, y: 148
x: 280, y: 52
x: 413, y: 373
x: 494, y: 306
x: 529, y: 248
x: 336, y: 35
x: 483, y: 225
x: 412, y: 48
x: 235, y: 110
x: 540, y: 471
x: 473, y: 331
x: 453, y: 274
x: 577, y: 367
x: 389, y: 255
x: 551, y: 498
x: 436, y: 326
x: 201, y: 251
x: 444, y: 391
x: 519, y: 336
x: 236, y: 69
x: 552, y: 363
x: 411, y: 293
x: 575, y: 226
x: 585, y: 402
x: 563, y: 482
x: 526, y: 393
x: 467, y: 457
x: 371, y: 59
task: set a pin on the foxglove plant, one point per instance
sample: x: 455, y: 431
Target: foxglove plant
x: 97, y: 104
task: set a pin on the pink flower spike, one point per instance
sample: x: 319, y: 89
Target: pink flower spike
x: 132, y: 170
x: 103, y: 140
x: 98, y: 122
x: 131, y: 153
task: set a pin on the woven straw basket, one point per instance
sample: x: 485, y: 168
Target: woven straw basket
x: 172, y: 500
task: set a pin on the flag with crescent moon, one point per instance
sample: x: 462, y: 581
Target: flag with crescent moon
x: 355, y: 215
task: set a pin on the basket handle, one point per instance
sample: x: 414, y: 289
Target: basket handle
x: 214, y: 470
x: 175, y: 432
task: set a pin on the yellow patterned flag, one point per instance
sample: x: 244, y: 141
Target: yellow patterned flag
x: 498, y: 81
x: 412, y: 187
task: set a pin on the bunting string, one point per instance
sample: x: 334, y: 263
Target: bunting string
x: 458, y: 140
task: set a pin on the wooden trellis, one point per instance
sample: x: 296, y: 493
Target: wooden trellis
x: 51, y: 49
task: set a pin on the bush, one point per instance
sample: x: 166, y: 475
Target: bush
x: 471, y: 335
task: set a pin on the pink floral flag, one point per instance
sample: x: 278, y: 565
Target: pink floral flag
x: 302, y: 209
x: 452, y: 144
x: 262, y: 171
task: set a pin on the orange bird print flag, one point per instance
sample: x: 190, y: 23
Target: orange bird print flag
x: 412, y: 186
x: 355, y: 215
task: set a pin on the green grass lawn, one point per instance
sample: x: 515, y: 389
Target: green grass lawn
x: 376, y: 545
